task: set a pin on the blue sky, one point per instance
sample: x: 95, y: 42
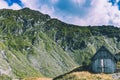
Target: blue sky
x: 78, y: 12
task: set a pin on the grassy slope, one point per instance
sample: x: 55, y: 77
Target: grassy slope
x: 50, y: 57
x: 25, y: 50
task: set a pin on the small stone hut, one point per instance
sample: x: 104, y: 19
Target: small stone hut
x: 103, y: 61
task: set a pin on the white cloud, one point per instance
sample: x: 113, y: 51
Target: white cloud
x: 3, y: 5
x: 79, y: 1
x: 32, y: 4
x: 54, y: 1
x: 101, y: 13
x: 36, y: 5
x: 47, y: 10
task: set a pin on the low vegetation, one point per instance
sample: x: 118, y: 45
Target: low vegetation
x: 84, y: 75
x: 5, y: 77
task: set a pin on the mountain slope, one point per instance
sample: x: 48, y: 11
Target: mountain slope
x: 32, y: 44
x: 81, y: 42
x: 26, y: 50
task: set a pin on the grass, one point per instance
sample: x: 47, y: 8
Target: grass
x: 84, y: 75
x: 5, y: 77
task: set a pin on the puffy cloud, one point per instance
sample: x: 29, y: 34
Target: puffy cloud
x: 103, y: 13
x: 47, y: 10
x: 54, y: 1
x: 100, y: 12
x: 81, y: 2
x: 3, y: 5
x: 40, y: 6
x: 33, y: 4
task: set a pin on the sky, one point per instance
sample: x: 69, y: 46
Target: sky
x: 78, y: 12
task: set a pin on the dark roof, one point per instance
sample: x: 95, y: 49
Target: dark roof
x: 104, y: 48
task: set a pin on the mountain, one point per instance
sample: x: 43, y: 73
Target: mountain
x: 33, y: 44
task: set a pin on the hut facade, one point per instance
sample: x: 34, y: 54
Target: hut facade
x: 103, y: 61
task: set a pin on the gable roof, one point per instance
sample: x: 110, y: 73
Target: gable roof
x: 101, y: 49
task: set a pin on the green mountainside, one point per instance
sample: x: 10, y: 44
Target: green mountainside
x: 34, y: 45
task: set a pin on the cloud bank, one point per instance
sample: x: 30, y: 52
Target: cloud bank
x: 78, y: 12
